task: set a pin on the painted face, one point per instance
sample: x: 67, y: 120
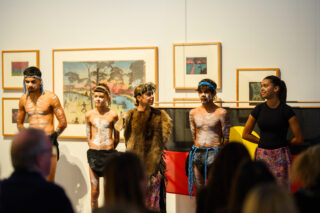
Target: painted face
x: 32, y: 84
x: 268, y: 90
x: 205, y: 96
x: 147, y: 98
x: 100, y: 99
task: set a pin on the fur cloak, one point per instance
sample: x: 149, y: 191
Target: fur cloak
x: 146, y: 133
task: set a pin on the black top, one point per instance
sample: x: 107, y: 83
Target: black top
x: 28, y: 191
x: 273, y: 124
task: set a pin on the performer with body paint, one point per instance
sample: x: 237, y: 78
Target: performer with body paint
x: 146, y: 130
x: 41, y: 106
x: 100, y: 128
x: 210, y: 128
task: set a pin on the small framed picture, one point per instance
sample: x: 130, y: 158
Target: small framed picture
x: 249, y: 84
x: 77, y: 71
x: 193, y: 62
x: 14, y: 63
x: 9, y: 116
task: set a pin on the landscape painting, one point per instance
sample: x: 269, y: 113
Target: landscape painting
x: 80, y: 78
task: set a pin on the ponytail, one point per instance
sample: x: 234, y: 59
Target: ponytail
x: 276, y: 81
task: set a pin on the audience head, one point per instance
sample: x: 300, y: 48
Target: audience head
x: 269, y: 198
x: 31, y: 149
x: 306, y: 167
x: 222, y: 172
x: 248, y: 175
x: 125, y: 180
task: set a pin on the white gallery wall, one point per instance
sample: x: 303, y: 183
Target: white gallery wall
x: 281, y: 34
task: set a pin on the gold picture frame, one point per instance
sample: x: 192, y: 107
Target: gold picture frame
x: 75, y: 73
x: 13, y: 64
x: 193, y: 62
x: 248, y: 84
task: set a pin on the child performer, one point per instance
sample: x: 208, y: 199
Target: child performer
x: 100, y: 126
x: 210, y: 129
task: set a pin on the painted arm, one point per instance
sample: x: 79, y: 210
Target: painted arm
x: 59, y: 113
x: 246, y: 134
x: 116, y: 133
x: 225, y: 124
x: 21, y: 114
x: 192, y: 125
x: 296, y: 130
x: 88, y: 127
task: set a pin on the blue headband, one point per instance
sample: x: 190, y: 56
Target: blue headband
x: 207, y: 84
x: 32, y: 76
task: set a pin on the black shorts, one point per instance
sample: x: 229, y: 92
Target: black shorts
x: 97, y: 159
x: 55, y: 146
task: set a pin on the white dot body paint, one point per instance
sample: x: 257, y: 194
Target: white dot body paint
x: 103, y: 132
x: 208, y: 97
x: 209, y: 129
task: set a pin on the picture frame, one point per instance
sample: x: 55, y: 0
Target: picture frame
x: 76, y: 71
x: 9, y: 116
x: 14, y: 62
x: 248, y: 84
x: 193, y: 62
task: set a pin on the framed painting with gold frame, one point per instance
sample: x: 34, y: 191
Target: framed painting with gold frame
x: 248, y: 84
x: 77, y: 71
x: 14, y: 62
x: 9, y: 116
x: 193, y: 62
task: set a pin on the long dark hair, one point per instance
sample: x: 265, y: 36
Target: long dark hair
x: 282, y: 94
x: 124, y: 177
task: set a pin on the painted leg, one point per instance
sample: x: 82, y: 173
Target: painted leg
x: 198, y: 178
x: 51, y: 176
x: 94, y: 181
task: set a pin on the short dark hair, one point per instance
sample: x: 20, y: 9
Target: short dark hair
x: 32, y: 71
x: 206, y: 87
x: 26, y: 145
x: 143, y: 88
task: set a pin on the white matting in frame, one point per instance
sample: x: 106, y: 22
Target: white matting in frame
x: 193, y: 62
x: 121, y: 68
x: 9, y: 116
x: 249, y: 83
x: 14, y: 63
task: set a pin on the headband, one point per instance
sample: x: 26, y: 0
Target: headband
x: 32, y: 76
x: 207, y: 84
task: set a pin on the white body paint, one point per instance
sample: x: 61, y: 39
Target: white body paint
x: 209, y: 130
x: 208, y: 97
x: 103, y: 133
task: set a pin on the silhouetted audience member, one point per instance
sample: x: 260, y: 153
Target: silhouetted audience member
x: 306, y: 169
x: 214, y: 196
x: 248, y: 175
x: 269, y: 198
x: 125, y: 183
x: 27, y: 190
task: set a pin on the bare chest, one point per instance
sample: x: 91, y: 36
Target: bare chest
x: 207, y: 120
x: 40, y: 107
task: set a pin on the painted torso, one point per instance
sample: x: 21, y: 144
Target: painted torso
x: 208, y: 128
x: 100, y: 128
x: 40, y: 111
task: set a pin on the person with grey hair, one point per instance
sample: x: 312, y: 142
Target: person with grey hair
x: 27, y: 189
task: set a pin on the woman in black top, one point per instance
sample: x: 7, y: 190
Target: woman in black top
x: 274, y: 117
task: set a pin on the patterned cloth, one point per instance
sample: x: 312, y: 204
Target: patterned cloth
x: 278, y: 161
x: 155, y: 193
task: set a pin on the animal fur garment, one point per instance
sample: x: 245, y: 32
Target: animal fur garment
x: 146, y: 133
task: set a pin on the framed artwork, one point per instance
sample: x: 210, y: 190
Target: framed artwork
x: 248, y: 84
x: 193, y: 62
x: 9, y: 116
x: 14, y: 63
x: 77, y: 71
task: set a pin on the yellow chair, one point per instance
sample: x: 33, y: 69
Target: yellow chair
x: 236, y: 135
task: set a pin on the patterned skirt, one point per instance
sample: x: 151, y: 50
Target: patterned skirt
x: 156, y: 193
x: 278, y: 161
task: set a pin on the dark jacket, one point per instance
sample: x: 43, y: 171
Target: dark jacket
x: 28, y: 191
